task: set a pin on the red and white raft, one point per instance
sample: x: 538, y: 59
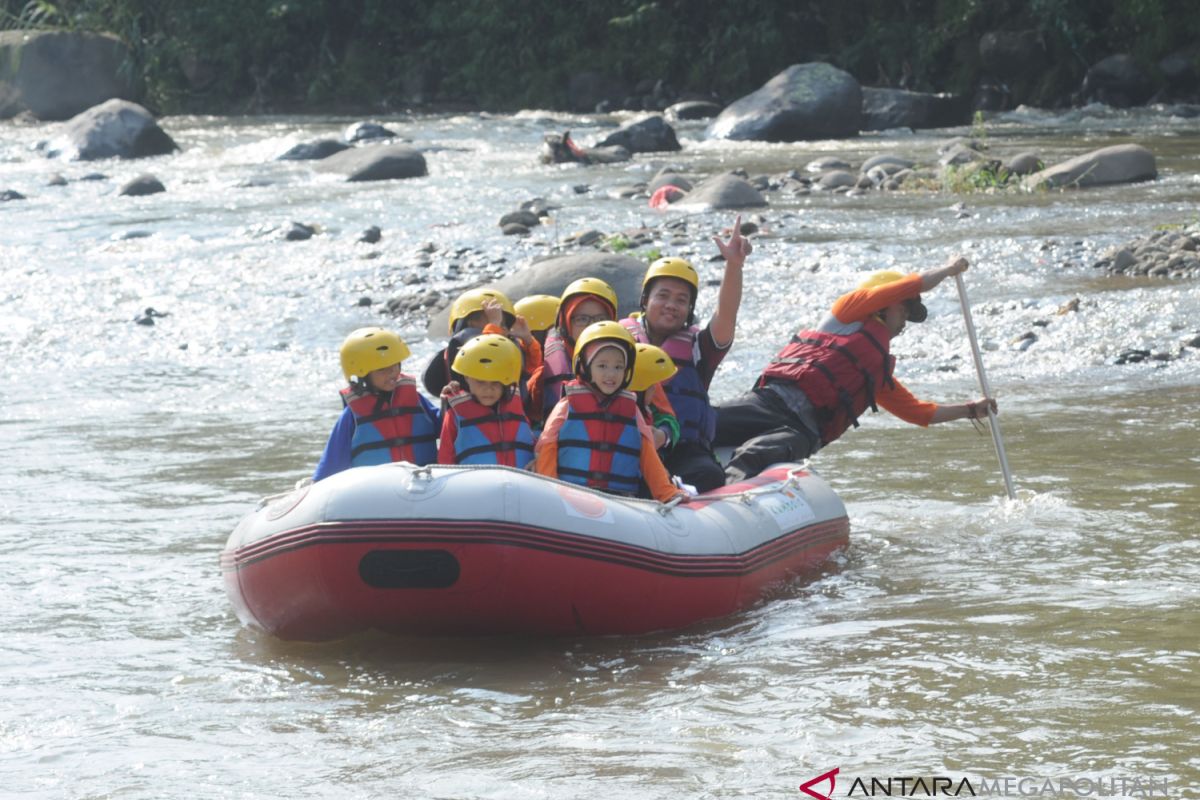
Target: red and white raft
x: 454, y: 550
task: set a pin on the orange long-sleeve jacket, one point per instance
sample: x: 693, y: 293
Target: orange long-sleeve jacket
x: 860, y: 304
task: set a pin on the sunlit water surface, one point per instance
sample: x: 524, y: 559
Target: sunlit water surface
x: 1056, y: 636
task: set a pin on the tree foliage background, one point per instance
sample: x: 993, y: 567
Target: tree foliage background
x: 229, y: 56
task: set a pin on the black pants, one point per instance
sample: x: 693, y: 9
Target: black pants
x: 765, y: 433
x: 696, y: 464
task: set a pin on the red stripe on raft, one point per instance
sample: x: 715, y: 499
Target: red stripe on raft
x: 415, y: 533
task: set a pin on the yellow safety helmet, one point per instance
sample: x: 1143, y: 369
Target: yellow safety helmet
x: 490, y: 357
x: 606, y: 331
x: 589, y: 286
x: 539, y: 310
x: 673, y: 267
x: 652, y: 366
x: 369, y: 349
x: 472, y: 300
x: 917, y: 312
x: 880, y: 277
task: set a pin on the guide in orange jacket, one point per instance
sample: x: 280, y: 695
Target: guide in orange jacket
x: 818, y: 385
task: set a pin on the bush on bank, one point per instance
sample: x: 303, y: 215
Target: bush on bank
x: 230, y: 56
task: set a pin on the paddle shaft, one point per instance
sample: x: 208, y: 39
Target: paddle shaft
x: 997, y: 439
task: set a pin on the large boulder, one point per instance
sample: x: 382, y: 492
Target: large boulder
x: 647, y: 135
x: 550, y: 276
x: 379, y: 162
x: 898, y: 108
x: 1122, y: 163
x: 1118, y: 81
x: 721, y: 192
x: 55, y: 75
x: 113, y: 129
x: 805, y: 101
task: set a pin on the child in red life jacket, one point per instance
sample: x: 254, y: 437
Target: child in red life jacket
x: 596, y: 435
x: 583, y: 302
x: 485, y: 424
x: 479, y: 311
x: 384, y: 418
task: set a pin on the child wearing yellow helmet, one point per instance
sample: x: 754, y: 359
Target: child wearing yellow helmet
x: 485, y: 422
x: 384, y: 419
x: 583, y: 302
x: 651, y: 367
x: 826, y: 377
x: 475, y: 312
x: 595, y: 435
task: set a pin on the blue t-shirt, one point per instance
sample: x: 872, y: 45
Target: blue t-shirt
x: 338, y: 450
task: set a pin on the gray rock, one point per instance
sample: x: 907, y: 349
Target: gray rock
x: 313, y: 151
x: 836, y: 179
x: 890, y: 162
x: 371, y: 235
x: 10, y: 194
x: 723, y: 191
x: 898, y: 108
x: 692, y: 109
x: 665, y: 178
x: 522, y: 217
x: 141, y: 186
x: 1025, y: 163
x: 550, y: 276
x: 363, y: 131
x: 113, y: 129
x: 959, y: 155
x: 55, y: 75
x: 560, y: 148
x: 376, y: 163
x: 805, y: 101
x: 1122, y: 163
x: 826, y: 164
x: 1118, y: 81
x: 647, y: 135
x: 298, y: 232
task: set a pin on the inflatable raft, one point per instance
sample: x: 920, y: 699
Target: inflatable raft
x: 480, y: 550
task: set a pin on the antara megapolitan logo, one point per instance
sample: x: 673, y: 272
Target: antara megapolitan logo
x: 823, y: 786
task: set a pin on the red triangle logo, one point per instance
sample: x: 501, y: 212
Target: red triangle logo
x: 828, y: 776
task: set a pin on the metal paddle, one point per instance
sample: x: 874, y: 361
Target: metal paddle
x: 983, y: 385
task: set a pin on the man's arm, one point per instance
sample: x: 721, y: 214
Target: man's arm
x: 729, y: 296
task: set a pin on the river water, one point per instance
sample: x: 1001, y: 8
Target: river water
x: 1054, y: 637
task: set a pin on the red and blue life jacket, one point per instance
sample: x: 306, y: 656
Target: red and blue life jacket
x: 839, y: 373
x: 685, y: 389
x: 390, y: 427
x: 599, y: 444
x: 491, y: 435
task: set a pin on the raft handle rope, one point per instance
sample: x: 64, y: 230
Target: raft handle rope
x: 426, y: 472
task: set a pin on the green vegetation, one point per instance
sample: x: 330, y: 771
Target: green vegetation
x: 294, y: 55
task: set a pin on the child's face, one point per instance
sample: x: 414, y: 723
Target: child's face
x: 487, y: 393
x: 608, y: 370
x: 384, y: 379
